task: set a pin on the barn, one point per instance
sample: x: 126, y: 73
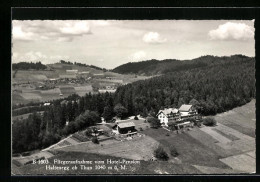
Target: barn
x: 125, y: 128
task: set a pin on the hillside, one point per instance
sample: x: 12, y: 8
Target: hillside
x: 220, y: 86
x: 156, y: 67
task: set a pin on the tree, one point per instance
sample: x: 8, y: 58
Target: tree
x: 108, y: 113
x: 167, y: 102
x: 88, y: 118
x: 154, y: 122
x: 120, y: 110
x: 145, y: 112
x: 95, y: 140
x: 195, y: 104
x: 160, y: 154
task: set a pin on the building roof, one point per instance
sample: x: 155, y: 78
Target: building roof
x: 185, y: 108
x: 126, y: 125
x: 168, y: 111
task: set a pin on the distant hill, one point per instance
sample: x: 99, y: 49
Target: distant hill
x: 81, y: 65
x: 217, y: 83
x: 156, y: 67
x: 61, y: 65
x: 28, y: 65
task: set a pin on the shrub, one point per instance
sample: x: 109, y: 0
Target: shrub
x: 160, y: 154
x: 171, y: 125
x: 192, y: 120
x: 197, y: 123
x: 29, y: 162
x: 167, y: 134
x: 16, y: 155
x: 88, y: 132
x: 209, y: 121
x: 25, y: 153
x: 95, y: 140
x: 141, y: 129
x: 136, y: 118
x: 174, y: 152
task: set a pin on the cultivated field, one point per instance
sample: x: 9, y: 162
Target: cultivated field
x: 24, y: 116
x: 26, y: 82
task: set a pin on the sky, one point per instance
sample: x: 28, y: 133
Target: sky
x: 110, y: 43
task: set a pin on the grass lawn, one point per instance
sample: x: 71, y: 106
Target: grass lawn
x: 139, y: 148
x: 241, y: 118
x: 157, y: 134
x: 191, y: 151
x: 17, y: 98
x: 67, y: 90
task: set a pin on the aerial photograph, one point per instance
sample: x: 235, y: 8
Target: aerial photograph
x: 133, y: 97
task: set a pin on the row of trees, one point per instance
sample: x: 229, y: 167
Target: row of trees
x: 82, y: 64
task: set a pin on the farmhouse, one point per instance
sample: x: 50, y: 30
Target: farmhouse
x: 106, y: 90
x: 108, y: 87
x: 168, y: 114
x: 126, y: 128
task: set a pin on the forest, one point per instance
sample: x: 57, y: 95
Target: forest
x: 27, y: 66
x: 217, y: 87
x: 156, y: 67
